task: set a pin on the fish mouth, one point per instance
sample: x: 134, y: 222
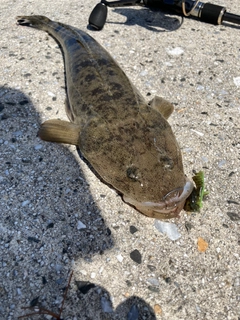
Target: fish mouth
x: 169, y: 207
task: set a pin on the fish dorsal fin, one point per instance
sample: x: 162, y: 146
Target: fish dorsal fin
x: 59, y: 131
x: 162, y: 106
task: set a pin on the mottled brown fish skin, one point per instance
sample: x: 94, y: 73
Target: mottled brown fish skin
x: 94, y: 84
x: 129, y: 144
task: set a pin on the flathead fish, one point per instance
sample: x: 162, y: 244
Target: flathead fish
x: 126, y: 140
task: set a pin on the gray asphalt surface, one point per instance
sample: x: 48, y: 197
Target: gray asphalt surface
x: 56, y: 216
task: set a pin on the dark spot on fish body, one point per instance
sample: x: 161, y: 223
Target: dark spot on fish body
x: 111, y: 72
x: 103, y: 62
x: 104, y: 109
x: 133, y: 173
x: 58, y: 28
x: 86, y: 37
x: 134, y: 131
x: 131, y: 102
x: 117, y: 95
x: 85, y: 109
x: 119, y: 138
x: 99, y: 92
x: 117, y: 86
x: 167, y: 163
x: 89, y: 77
x: 85, y: 63
x: 70, y: 42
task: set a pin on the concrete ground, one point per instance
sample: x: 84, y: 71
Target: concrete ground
x: 56, y: 216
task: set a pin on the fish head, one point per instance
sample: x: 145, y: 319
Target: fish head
x: 140, y: 158
x: 158, y: 187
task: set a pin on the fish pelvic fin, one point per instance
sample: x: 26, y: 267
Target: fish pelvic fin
x: 60, y: 131
x: 162, y: 106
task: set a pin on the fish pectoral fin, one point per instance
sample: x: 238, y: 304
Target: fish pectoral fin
x: 162, y: 106
x: 59, y: 131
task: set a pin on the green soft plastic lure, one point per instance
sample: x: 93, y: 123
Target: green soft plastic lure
x: 195, y: 201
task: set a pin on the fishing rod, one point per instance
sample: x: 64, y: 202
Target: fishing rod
x: 206, y: 12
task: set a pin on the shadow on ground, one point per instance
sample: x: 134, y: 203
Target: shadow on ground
x: 48, y: 218
x: 151, y: 19
x: 91, y: 301
x: 43, y: 187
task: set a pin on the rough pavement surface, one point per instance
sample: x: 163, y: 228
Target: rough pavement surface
x: 56, y: 216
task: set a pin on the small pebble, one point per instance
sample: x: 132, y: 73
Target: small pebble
x: 84, y: 272
x: 51, y: 94
x: 188, y: 225
x: 19, y: 292
x: 175, y: 51
x: 237, y: 81
x: 143, y: 73
x: 80, y: 225
x: 170, y: 229
x: 157, y: 309
x: 38, y: 147
x: 129, y: 284
x: 202, y: 245
x: 133, y: 229
x: 198, y: 308
x: 197, y: 132
x: 236, y: 282
x: 230, y: 201
x: 133, y: 313
x: 233, y: 216
x: 50, y: 225
x: 106, y: 305
x: 18, y: 133
x: 24, y: 203
x: 32, y: 239
x: 58, y: 267
x: 60, y: 281
x: 136, y: 256
x: 26, y: 160
x: 200, y: 88
x: 153, y: 289
x: 153, y: 281
x: 120, y: 258
x: 151, y: 267
x: 168, y: 280
x: 221, y: 163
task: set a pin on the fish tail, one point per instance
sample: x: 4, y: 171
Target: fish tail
x: 38, y: 22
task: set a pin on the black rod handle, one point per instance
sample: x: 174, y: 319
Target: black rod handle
x: 98, y: 16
